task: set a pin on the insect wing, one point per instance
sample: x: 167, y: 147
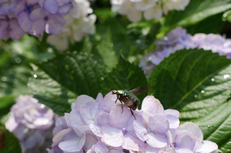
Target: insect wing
x: 138, y: 90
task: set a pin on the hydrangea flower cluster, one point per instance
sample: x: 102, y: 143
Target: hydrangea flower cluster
x: 101, y: 125
x: 31, y: 123
x: 151, y: 9
x: 78, y: 24
x: 35, y: 17
x: 32, y: 16
x: 179, y: 39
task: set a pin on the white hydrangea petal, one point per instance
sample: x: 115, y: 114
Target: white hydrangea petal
x: 134, y: 15
x: 144, y: 4
x: 112, y: 136
x: 155, y: 12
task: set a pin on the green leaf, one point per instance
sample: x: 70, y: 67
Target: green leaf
x: 78, y: 73
x: 204, y: 27
x: 227, y: 16
x: 50, y: 93
x: 195, y: 12
x: 109, y: 40
x: 198, y: 84
x: 8, y: 142
x: 125, y: 76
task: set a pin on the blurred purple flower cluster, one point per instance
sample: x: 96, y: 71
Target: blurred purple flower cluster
x: 178, y: 39
x: 31, y: 123
x: 18, y: 17
x: 100, y: 125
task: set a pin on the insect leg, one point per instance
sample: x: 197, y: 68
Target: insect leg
x: 132, y: 113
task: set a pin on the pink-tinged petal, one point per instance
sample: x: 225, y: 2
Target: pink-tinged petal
x: 73, y: 145
x: 151, y: 105
x: 24, y: 22
x: 95, y: 129
x: 193, y: 128
x: 132, y: 143
x: 38, y: 27
x: 38, y: 13
x: 118, y: 117
x: 59, y: 136
x: 4, y: 25
x: 207, y: 147
x: 159, y: 123
x: 140, y: 131
x: 185, y: 139
x: 51, y: 6
x: 102, y: 119
x: 157, y: 140
x: 81, y: 100
x: 112, y: 136
x: 174, y: 122
x: 108, y: 101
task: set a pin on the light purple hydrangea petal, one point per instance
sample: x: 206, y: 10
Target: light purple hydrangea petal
x: 189, y: 126
x: 3, y: 28
x: 52, y: 6
x: 108, y: 102
x: 118, y: 117
x: 37, y: 14
x: 72, y: 145
x: 152, y: 105
x: 88, y: 112
x: 38, y: 27
x: 159, y: 123
x: 140, y: 131
x: 207, y: 146
x: 58, y: 137
x: 64, y: 9
x: 81, y: 100
x: 157, y: 140
x: 112, y: 136
x: 7, y: 7
x: 132, y: 143
x: 185, y: 139
x: 24, y: 21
